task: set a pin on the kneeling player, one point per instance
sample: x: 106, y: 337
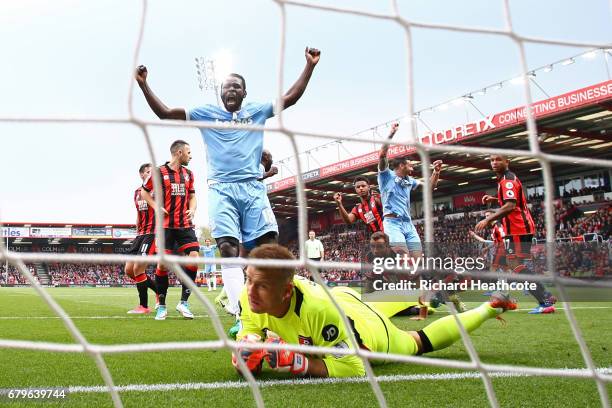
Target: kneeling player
x: 299, y: 312
x: 144, y: 244
x: 178, y: 195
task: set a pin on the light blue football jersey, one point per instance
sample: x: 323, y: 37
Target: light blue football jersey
x: 395, y: 193
x: 208, y: 251
x: 233, y: 154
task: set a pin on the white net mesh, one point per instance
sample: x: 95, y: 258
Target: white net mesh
x: 487, y: 371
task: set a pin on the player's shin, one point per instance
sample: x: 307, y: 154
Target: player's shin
x: 191, y: 271
x: 233, y: 282
x: 444, y: 332
x: 161, y: 281
x: 141, y: 286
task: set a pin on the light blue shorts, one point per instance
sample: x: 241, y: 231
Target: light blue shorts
x: 401, y: 231
x: 240, y: 210
x: 208, y: 268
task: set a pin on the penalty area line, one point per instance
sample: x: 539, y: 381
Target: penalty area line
x: 308, y: 381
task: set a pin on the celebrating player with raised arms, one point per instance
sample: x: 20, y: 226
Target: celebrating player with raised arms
x: 395, y: 186
x: 179, y: 206
x: 290, y: 309
x: 237, y: 202
x: 518, y: 226
x: 369, y: 209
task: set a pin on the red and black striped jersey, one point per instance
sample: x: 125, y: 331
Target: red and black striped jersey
x: 519, y: 221
x: 146, y: 215
x: 177, y: 190
x: 370, y: 212
x: 498, y: 233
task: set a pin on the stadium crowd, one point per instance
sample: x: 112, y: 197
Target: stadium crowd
x: 348, y: 243
x: 14, y: 277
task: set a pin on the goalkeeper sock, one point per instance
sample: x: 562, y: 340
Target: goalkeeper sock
x: 444, y: 332
x: 161, y: 281
x: 192, y: 272
x: 141, y: 286
x: 233, y: 282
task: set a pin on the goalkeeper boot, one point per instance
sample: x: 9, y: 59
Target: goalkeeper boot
x: 162, y: 312
x: 233, y: 331
x: 140, y: 310
x: 183, y: 308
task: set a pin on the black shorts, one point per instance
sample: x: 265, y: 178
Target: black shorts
x: 143, y: 245
x: 181, y: 240
x: 518, y: 246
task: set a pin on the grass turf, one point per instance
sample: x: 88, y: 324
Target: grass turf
x: 542, y: 340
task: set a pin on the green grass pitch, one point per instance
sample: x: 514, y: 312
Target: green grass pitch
x: 100, y: 313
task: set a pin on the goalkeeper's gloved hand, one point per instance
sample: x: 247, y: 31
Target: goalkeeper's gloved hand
x: 252, y: 357
x: 285, y: 360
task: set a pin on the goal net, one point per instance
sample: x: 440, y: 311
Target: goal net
x: 485, y: 371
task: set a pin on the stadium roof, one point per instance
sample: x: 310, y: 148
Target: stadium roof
x: 577, y: 123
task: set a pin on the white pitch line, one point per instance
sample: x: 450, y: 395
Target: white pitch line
x: 559, y: 309
x: 307, y: 381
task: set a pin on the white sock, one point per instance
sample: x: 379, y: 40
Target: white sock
x: 233, y: 281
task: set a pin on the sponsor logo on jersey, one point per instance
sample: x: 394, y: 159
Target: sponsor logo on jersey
x: 178, y: 189
x: 305, y: 341
x: 330, y: 332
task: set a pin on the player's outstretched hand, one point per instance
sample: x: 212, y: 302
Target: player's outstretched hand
x: 252, y: 357
x: 338, y: 198
x: 141, y: 74
x: 285, y: 360
x: 437, y: 166
x: 394, y: 127
x: 312, y: 55
x: 486, y: 199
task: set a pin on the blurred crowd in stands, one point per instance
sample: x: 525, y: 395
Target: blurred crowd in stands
x: 342, y: 243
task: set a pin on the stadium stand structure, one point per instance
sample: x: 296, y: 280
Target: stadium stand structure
x: 580, y: 123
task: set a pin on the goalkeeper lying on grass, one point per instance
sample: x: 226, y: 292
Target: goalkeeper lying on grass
x: 298, y: 311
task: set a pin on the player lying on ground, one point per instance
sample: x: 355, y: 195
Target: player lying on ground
x: 299, y: 312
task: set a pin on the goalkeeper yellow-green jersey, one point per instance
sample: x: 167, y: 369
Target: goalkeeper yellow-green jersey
x: 312, y: 319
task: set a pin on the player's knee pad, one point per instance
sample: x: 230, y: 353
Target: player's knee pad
x: 228, y: 246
